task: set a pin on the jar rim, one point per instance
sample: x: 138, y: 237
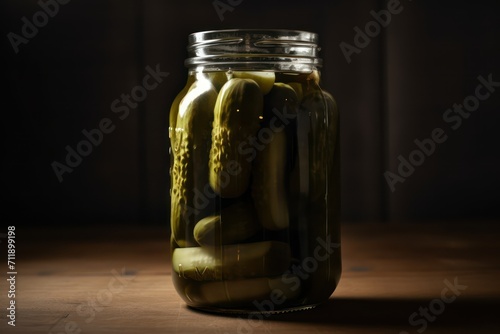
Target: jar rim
x: 268, y: 48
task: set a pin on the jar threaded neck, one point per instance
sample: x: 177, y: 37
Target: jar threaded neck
x: 258, y: 49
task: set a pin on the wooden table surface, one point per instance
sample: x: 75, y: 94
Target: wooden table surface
x: 118, y: 280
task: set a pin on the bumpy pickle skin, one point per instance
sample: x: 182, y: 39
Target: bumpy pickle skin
x: 237, y: 113
x: 209, y: 276
x: 234, y: 224
x: 174, y: 109
x: 190, y: 166
x: 237, y: 261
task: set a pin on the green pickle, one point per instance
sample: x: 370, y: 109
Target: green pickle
x: 265, y: 80
x: 237, y: 293
x: 255, y: 259
x: 237, y: 113
x: 233, y: 224
x: 189, y: 174
x: 255, y: 191
x: 218, y: 79
x: 174, y: 108
x: 268, y: 188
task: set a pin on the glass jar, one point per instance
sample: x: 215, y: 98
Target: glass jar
x: 254, y: 174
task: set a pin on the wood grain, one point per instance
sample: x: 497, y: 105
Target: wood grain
x: 390, y: 271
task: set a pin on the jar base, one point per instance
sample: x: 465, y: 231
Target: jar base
x: 228, y: 311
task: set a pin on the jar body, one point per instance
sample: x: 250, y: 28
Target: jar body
x: 255, y: 191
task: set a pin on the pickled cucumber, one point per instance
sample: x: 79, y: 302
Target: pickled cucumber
x: 288, y: 191
x: 332, y: 123
x: 174, y: 109
x: 297, y: 87
x: 234, y: 224
x: 268, y: 185
x: 309, y: 81
x: 313, y: 118
x: 218, y: 79
x: 190, y: 166
x: 238, y: 111
x: 280, y: 97
x: 258, y: 259
x: 325, y: 198
x: 265, y: 80
x: 243, y: 292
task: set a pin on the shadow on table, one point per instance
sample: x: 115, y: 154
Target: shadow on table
x: 476, y: 313
x: 396, y: 312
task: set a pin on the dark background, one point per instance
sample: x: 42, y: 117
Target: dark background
x: 393, y: 92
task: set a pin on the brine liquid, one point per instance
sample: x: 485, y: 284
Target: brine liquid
x: 273, y: 243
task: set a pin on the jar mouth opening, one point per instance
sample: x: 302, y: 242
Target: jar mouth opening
x: 247, y: 48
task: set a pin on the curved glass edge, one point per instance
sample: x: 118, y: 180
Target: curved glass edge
x: 281, y: 48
